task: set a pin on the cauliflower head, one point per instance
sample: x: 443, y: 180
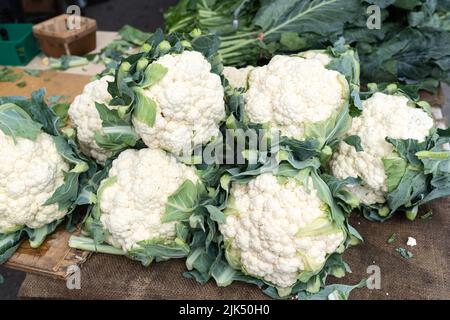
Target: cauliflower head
x: 237, y: 77
x: 30, y: 172
x: 276, y: 230
x: 86, y: 118
x: 383, y: 116
x: 291, y: 92
x: 190, y: 104
x: 133, y: 198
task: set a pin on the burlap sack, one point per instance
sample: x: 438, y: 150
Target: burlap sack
x: 425, y: 276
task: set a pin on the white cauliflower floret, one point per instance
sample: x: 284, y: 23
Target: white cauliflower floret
x: 237, y: 77
x: 265, y: 226
x: 292, y: 91
x: 86, y: 118
x: 383, y: 116
x: 190, y: 104
x: 412, y: 242
x: 30, y: 172
x: 132, y: 207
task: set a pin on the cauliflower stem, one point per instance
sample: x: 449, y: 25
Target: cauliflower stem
x: 88, y: 244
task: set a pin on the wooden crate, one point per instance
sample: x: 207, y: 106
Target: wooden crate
x: 52, y: 258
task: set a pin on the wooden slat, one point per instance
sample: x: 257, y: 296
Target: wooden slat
x: 54, y: 256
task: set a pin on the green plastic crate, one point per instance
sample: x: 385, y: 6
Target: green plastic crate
x: 21, y: 46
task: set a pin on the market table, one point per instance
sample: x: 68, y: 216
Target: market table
x: 425, y: 276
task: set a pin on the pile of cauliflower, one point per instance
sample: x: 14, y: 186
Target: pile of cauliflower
x: 278, y: 229
x: 131, y: 212
x: 281, y: 224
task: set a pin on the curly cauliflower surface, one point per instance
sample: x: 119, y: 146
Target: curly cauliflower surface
x: 190, y: 104
x: 383, y: 116
x: 132, y: 207
x: 292, y: 91
x: 86, y: 118
x: 237, y: 77
x: 30, y: 172
x: 265, y: 226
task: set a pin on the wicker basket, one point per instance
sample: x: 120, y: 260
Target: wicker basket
x: 56, y: 39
